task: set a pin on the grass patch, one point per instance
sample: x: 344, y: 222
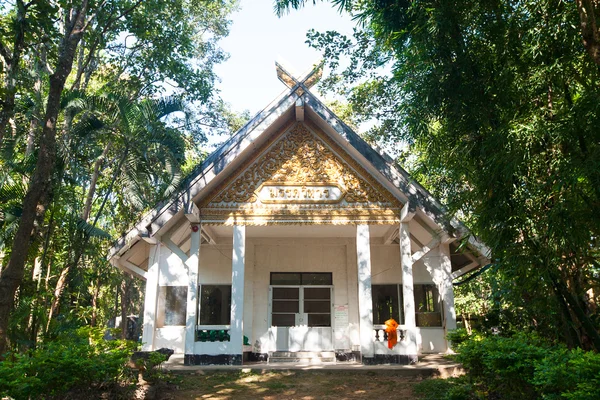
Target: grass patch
x: 277, y: 384
x: 445, y: 389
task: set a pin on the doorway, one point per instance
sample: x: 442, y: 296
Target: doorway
x: 300, y: 309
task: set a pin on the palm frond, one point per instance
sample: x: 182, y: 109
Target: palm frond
x: 74, y: 100
x: 91, y: 230
x: 13, y: 191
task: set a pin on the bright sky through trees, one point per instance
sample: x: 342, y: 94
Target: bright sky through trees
x: 258, y: 38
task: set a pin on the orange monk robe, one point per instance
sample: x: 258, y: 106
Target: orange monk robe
x: 391, y: 328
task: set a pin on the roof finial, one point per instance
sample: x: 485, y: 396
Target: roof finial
x: 306, y: 81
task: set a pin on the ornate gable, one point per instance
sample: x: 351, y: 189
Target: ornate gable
x: 301, y: 178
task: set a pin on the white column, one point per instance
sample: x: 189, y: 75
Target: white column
x: 150, y: 298
x: 446, y: 289
x: 192, y: 265
x: 236, y: 331
x: 408, y: 294
x: 365, y: 299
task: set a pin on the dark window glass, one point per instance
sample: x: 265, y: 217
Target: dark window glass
x: 313, y: 306
x: 317, y: 293
x: 215, y: 304
x: 309, y: 278
x: 304, y: 278
x: 428, y: 306
x: 283, y: 319
x: 172, y: 302
x: 286, y: 293
x: 286, y: 306
x: 319, y: 319
x: 386, y: 303
x: 286, y: 278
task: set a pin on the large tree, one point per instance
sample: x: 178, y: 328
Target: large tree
x: 53, y: 54
x: 499, y: 105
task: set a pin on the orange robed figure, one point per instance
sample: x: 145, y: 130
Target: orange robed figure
x: 391, y: 327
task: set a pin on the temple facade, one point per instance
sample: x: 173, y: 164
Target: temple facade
x: 296, y: 240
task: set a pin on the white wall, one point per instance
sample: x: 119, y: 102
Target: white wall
x: 266, y: 255
x: 297, y: 255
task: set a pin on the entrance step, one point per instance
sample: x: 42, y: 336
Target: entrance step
x: 304, y: 357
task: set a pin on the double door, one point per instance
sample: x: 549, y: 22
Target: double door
x: 300, y: 317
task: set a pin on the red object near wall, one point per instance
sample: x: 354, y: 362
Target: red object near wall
x: 391, y: 328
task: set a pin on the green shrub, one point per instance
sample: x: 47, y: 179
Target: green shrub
x: 504, y: 366
x: 526, y: 367
x: 569, y: 374
x: 459, y: 336
x: 76, y: 359
x: 447, y: 389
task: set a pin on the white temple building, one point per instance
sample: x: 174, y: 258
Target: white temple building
x: 296, y: 239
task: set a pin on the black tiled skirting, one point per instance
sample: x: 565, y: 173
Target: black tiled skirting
x: 205, y: 359
x: 390, y: 359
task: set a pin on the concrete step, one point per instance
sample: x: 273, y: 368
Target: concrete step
x: 300, y: 360
x: 302, y: 357
x: 303, y: 354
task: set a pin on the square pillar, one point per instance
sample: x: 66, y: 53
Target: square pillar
x: 192, y: 265
x: 236, y: 332
x: 408, y: 291
x: 365, y: 298
x: 150, y: 298
x: 446, y: 288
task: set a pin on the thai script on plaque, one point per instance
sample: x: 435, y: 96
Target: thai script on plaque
x: 292, y: 193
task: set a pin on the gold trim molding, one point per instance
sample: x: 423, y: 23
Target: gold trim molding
x: 299, y: 177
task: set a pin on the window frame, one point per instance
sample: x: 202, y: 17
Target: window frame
x: 439, y: 301
x: 199, y: 325
x: 161, y: 312
x: 400, y: 302
x: 301, y: 282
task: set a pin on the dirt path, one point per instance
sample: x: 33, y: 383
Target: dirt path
x: 290, y: 385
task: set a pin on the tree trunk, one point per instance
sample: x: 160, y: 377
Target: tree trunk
x: 34, y: 123
x: 40, y: 185
x: 81, y: 242
x: 95, y: 301
x: 564, y: 295
x: 590, y: 34
x: 92, y: 190
x: 124, y: 302
x: 60, y: 286
x: 7, y: 104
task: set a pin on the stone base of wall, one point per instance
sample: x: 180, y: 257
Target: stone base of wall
x: 390, y: 359
x: 347, y: 356
x: 205, y: 359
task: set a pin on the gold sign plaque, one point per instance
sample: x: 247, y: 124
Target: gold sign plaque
x: 309, y: 193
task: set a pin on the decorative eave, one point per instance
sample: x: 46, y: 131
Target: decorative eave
x: 300, y: 101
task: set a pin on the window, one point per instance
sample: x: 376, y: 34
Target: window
x: 290, y: 302
x: 428, y: 306
x: 172, y: 302
x: 301, y: 278
x: 387, y: 303
x: 215, y: 304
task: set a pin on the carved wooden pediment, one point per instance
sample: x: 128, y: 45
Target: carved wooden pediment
x: 303, y: 177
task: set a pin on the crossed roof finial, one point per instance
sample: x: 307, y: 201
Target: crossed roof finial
x: 305, y: 82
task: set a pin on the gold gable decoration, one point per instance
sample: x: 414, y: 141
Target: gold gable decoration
x: 300, y: 179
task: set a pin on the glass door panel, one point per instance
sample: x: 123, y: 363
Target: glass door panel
x: 285, y: 306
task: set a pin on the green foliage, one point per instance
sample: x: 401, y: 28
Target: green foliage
x: 505, y: 366
x: 458, y: 337
x: 76, y: 359
x: 446, y: 389
x: 121, y: 143
x: 518, y: 367
x: 496, y: 105
x: 569, y: 374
